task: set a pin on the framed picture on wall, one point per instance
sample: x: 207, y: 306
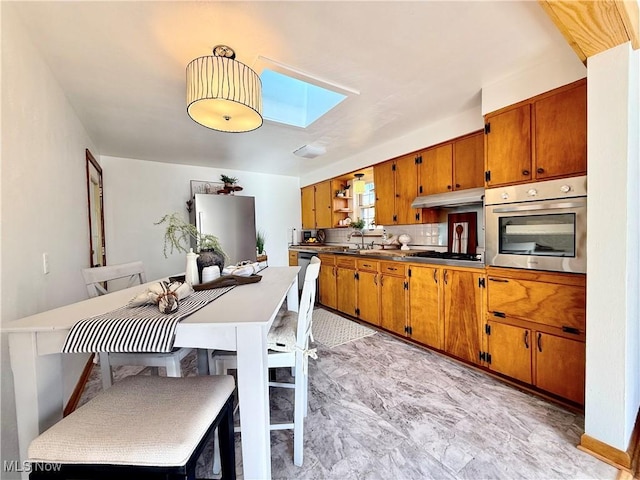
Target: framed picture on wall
x: 203, y: 186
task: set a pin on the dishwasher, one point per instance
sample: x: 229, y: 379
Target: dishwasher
x: 304, y: 259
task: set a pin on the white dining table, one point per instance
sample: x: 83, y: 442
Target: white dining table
x: 237, y: 321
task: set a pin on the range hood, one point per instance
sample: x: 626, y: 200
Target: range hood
x: 450, y: 199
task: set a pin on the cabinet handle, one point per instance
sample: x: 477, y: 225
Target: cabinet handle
x: 446, y: 277
x: 526, y: 338
x: 572, y: 330
x: 435, y: 276
x: 393, y: 269
x: 499, y: 280
x: 375, y: 279
x: 382, y: 281
x: 525, y: 172
x: 448, y: 187
x: 539, y: 342
x: 540, y: 170
x: 457, y: 185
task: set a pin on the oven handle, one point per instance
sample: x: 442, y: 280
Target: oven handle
x: 539, y: 206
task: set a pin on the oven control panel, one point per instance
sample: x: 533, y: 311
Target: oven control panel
x: 547, y: 190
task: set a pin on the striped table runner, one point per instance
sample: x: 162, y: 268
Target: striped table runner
x: 135, y: 329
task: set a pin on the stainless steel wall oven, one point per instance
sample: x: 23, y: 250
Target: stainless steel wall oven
x: 540, y: 226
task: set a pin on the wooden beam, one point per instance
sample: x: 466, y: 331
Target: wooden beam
x: 591, y: 27
x: 629, y: 13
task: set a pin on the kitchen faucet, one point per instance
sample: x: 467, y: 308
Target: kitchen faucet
x: 361, y: 235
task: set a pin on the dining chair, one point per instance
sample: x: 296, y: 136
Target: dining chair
x: 132, y: 273
x: 288, y: 343
x: 143, y: 427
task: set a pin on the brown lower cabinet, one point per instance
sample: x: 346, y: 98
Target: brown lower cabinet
x: 327, y: 293
x: 393, y: 297
x: 535, y: 329
x: 550, y: 362
x: 367, y: 291
x: 473, y: 315
x: 346, y: 285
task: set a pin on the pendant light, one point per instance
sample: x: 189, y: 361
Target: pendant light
x: 222, y: 93
x: 358, y: 183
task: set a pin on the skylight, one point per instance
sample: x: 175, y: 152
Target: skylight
x: 295, y: 102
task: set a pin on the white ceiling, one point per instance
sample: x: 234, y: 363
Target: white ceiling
x: 122, y: 66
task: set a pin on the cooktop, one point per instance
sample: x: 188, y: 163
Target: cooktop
x: 447, y: 255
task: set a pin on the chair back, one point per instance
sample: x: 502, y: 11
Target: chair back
x: 305, y: 311
x: 95, y: 277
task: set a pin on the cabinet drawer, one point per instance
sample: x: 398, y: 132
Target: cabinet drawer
x: 293, y: 258
x: 393, y: 268
x: 346, y: 262
x: 327, y: 260
x: 547, y: 303
x: 367, y: 265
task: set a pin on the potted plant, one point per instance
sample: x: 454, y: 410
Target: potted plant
x: 358, y: 224
x: 178, y: 236
x: 228, y: 181
x: 260, y: 239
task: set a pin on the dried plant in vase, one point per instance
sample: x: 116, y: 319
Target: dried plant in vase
x: 178, y: 235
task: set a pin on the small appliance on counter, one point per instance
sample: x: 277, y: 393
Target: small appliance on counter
x: 313, y: 237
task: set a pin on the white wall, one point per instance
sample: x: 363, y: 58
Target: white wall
x: 43, y: 200
x: 445, y: 129
x: 547, y: 75
x: 138, y: 193
x: 613, y: 325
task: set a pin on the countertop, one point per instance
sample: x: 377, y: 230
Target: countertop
x: 396, y: 255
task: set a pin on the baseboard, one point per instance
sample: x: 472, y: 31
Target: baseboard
x: 627, y: 461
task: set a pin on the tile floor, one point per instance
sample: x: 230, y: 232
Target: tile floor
x: 383, y: 409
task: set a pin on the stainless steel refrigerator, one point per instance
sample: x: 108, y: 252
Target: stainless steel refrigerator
x: 230, y: 218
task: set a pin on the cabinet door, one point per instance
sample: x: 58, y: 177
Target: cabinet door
x: 368, y: 298
x: 508, y: 146
x: 548, y: 303
x: 392, y: 304
x: 561, y: 134
x: 346, y: 293
x: 436, y: 170
x: 425, y: 306
x: 560, y: 365
x: 307, y: 195
x: 510, y: 348
x: 324, y: 205
x: 406, y: 190
x: 468, y: 162
x: 327, y: 286
x: 384, y: 178
x: 293, y: 258
x: 462, y: 314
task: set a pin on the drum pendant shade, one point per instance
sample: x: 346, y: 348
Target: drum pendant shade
x: 224, y: 94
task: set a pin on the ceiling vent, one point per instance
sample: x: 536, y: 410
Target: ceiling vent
x: 310, y: 151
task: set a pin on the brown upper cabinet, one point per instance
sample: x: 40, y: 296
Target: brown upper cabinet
x: 316, y: 205
x: 396, y: 186
x: 455, y: 165
x: 540, y: 138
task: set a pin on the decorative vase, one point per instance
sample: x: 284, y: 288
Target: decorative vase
x: 191, y: 275
x: 208, y: 258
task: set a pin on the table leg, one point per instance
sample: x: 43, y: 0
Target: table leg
x: 292, y: 297
x: 37, y: 383
x: 253, y: 393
